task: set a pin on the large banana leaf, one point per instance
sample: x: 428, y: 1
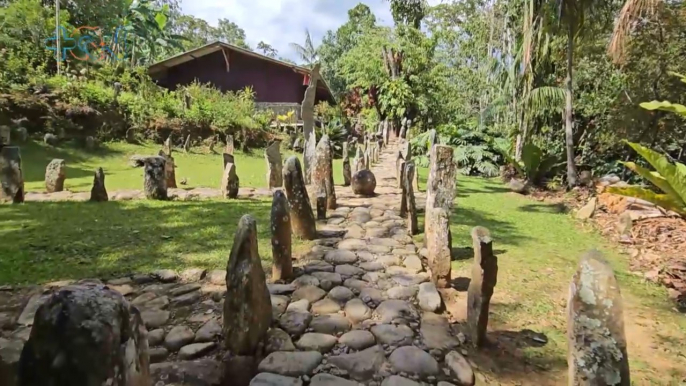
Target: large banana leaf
x: 665, y: 106
x: 655, y: 178
x: 662, y: 200
x: 674, y: 174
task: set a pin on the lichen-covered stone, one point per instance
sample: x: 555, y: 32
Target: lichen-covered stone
x: 364, y: 183
x: 98, y: 191
x: 321, y: 205
x: 86, y: 335
x: 358, y: 162
x: 273, y: 156
x: 230, y: 181
x: 302, y: 218
x: 247, y: 305
x: 595, y: 326
x: 322, y: 171
x: 438, y: 245
x: 11, y: 177
x: 440, y: 188
x: 407, y: 200
x: 282, y: 268
x: 155, y: 182
x: 484, y: 279
x: 229, y: 148
x: 169, y: 169
x: 347, y: 173
x: 55, y: 174
x: 307, y: 114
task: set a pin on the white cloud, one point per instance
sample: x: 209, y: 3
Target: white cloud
x: 280, y: 22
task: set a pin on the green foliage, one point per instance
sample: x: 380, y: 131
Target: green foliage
x: 535, y: 163
x: 669, y: 177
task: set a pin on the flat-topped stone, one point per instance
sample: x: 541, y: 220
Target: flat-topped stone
x: 326, y: 306
x: 414, y: 361
x: 316, y: 342
x: 330, y: 324
x: 360, y: 365
x: 393, y: 335
x: 341, y: 256
x: 293, y: 364
x: 309, y: 292
x: 268, y: 379
x: 357, y: 339
x: 330, y: 380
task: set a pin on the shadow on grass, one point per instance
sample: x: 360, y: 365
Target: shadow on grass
x: 544, y: 208
x: 46, y: 241
x: 36, y: 156
x: 463, y: 220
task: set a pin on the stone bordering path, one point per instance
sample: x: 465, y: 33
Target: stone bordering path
x: 174, y: 194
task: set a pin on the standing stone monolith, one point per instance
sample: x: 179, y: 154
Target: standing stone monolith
x: 307, y: 114
x: 274, y: 167
x: 230, y: 181
x: 321, y: 205
x: 155, y: 182
x: 400, y: 172
x: 55, y: 174
x: 484, y: 279
x: 595, y: 326
x: 438, y: 245
x: 169, y: 169
x: 5, y: 135
x: 229, y: 149
x: 302, y: 218
x: 247, y: 304
x: 86, y: 335
x: 386, y: 132
x: 399, y: 161
x: 282, y: 267
x: 11, y: 177
x: 187, y: 144
x: 408, y: 197
x: 228, y: 159
x: 98, y: 191
x: 358, y: 162
x: 347, y: 173
x: 322, y: 171
x: 440, y: 188
x: 432, y: 139
x: 168, y: 146
x: 406, y: 150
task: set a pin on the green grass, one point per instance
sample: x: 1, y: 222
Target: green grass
x: 46, y: 241
x: 201, y: 169
x: 538, y: 247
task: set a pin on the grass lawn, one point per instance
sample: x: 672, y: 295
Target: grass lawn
x: 45, y: 241
x: 200, y: 168
x: 538, y: 248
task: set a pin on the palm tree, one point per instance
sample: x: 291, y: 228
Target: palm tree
x: 308, y: 53
x: 631, y: 12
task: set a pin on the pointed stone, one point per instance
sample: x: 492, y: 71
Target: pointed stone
x: 273, y: 156
x: 11, y: 176
x: 282, y: 266
x: 98, y: 191
x: 230, y: 181
x: 247, y: 305
x: 302, y: 218
x: 595, y: 326
x: 484, y: 278
x: 322, y: 173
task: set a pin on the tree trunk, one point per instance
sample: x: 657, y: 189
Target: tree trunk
x: 569, y: 132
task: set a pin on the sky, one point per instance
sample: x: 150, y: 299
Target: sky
x: 280, y: 22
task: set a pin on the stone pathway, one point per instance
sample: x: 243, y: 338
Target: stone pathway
x: 361, y: 310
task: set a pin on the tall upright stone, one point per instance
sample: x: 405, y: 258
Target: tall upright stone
x: 386, y: 133
x: 187, y: 144
x: 307, y: 114
x: 168, y: 147
x: 358, y: 162
x: 229, y: 149
x: 98, y: 191
x: 347, y: 173
x: 408, y: 198
x: 55, y: 174
x: 155, y: 181
x: 433, y: 138
x: 274, y: 167
x: 595, y: 326
x: 406, y: 150
x: 322, y: 172
x: 302, y: 218
x: 228, y: 159
x: 230, y: 181
x: 282, y: 267
x: 484, y: 279
x: 169, y: 169
x: 86, y: 335
x: 399, y: 162
x: 247, y: 304
x: 11, y: 177
x: 438, y: 245
x: 440, y: 188
x: 5, y: 135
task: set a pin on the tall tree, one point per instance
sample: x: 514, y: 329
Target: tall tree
x: 229, y: 32
x: 308, y: 53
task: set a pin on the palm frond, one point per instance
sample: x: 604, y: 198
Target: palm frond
x: 631, y: 12
x: 545, y: 98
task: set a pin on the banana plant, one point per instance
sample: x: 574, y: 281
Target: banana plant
x: 669, y: 177
x: 534, y: 163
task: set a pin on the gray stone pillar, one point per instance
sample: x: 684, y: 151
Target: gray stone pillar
x: 440, y: 188
x: 307, y: 114
x: 437, y: 237
x: 155, y: 182
x: 86, y: 335
x: 229, y: 148
x: 230, y: 181
x: 11, y: 177
x: 358, y: 162
x: 55, y: 174
x: 274, y: 166
x: 347, y: 173
x: 595, y: 326
x: 169, y: 169
x: 408, y: 198
x: 282, y: 266
x: 322, y: 172
x: 302, y: 218
x: 484, y: 279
